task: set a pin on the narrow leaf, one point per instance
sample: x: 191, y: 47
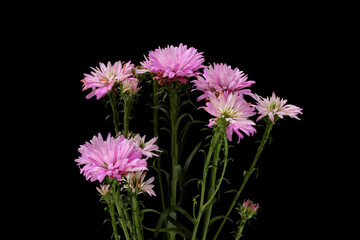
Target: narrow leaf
x: 185, y: 213
x: 189, y: 159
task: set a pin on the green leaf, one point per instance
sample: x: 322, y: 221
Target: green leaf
x: 174, y: 230
x: 185, y: 213
x: 162, y: 219
x: 184, y: 134
x: 189, y: 159
x: 106, y: 220
x: 191, y: 180
x: 257, y: 172
x: 167, y: 175
x: 166, y: 112
x: 165, y: 215
x: 167, y: 130
x: 150, y: 210
x: 230, y: 191
x: 223, y: 179
x: 107, y: 117
x: 181, y: 227
x: 181, y: 117
x: 183, y: 104
x: 162, y: 118
x: 181, y: 181
x: 214, y: 219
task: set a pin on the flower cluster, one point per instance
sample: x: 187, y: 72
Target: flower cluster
x: 120, y: 163
x: 174, y: 63
x: 102, y: 79
x: 223, y: 88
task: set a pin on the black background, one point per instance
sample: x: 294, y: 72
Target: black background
x: 277, y: 46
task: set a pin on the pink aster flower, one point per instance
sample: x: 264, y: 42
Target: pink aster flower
x: 148, y: 148
x: 102, y: 79
x: 222, y: 78
x: 174, y: 63
x: 275, y: 107
x: 112, y: 157
x: 135, y: 182
x: 235, y: 110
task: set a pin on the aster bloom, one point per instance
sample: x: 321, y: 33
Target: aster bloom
x: 102, y: 79
x: 112, y: 157
x: 275, y: 108
x: 235, y: 110
x: 222, y: 78
x: 135, y: 182
x: 148, y: 148
x: 174, y: 63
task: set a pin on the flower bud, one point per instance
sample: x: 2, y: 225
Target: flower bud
x: 248, y: 209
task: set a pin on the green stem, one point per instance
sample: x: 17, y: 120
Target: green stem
x: 115, y: 113
x: 174, y: 102
x: 239, y: 230
x: 213, y: 145
x: 120, y: 209
x: 211, y: 191
x: 137, y: 219
x: 155, y: 107
x: 128, y: 104
x: 113, y: 219
x: 156, y: 134
x: 269, y: 125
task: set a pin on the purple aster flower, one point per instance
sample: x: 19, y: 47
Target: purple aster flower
x: 174, y: 63
x: 112, y: 157
x: 235, y: 110
x: 222, y: 78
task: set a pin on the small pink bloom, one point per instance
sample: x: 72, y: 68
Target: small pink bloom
x: 135, y: 182
x: 235, y: 110
x: 174, y: 63
x: 112, y: 157
x: 275, y: 107
x: 148, y: 148
x: 222, y: 78
x: 104, y: 189
x: 131, y: 85
x: 102, y: 79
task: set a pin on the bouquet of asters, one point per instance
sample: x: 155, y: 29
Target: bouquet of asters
x: 121, y: 161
